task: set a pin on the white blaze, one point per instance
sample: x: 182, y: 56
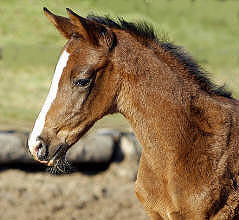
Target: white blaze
x: 39, y: 124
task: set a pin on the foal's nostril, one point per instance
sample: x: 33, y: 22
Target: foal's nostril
x: 42, y: 150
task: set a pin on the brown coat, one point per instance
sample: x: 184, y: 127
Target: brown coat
x: 188, y: 126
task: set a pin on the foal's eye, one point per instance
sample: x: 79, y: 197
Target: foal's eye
x: 82, y: 82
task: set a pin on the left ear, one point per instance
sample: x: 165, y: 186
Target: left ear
x: 97, y: 34
x: 63, y: 25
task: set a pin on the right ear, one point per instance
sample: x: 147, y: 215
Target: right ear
x: 63, y: 25
x: 92, y: 31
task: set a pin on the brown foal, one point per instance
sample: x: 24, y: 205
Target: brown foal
x: 188, y: 127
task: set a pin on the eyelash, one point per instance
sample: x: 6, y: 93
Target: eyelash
x: 82, y: 82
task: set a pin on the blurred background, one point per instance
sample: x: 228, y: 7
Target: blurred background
x: 29, y: 49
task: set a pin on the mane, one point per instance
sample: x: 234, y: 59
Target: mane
x: 145, y: 34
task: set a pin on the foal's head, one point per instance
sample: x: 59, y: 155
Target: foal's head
x: 83, y: 88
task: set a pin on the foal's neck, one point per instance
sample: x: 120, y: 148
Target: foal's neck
x: 159, y: 103
x: 153, y: 98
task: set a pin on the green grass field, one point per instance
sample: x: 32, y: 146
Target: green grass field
x: 209, y: 30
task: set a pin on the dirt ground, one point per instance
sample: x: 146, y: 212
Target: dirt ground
x: 40, y: 196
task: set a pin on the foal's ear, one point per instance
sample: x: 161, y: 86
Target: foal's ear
x: 92, y: 31
x: 63, y: 25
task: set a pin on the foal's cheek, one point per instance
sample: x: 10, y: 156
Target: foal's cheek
x: 79, y: 99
